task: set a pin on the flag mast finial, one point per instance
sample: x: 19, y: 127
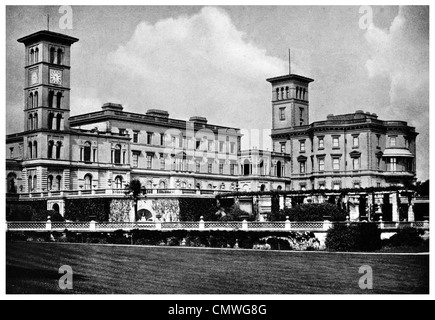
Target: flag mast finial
x: 289, y: 62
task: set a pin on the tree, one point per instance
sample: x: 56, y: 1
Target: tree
x: 134, y: 190
x: 422, y: 188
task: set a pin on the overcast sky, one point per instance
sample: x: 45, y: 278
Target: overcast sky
x: 213, y: 62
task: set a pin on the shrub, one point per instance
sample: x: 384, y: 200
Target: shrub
x: 87, y: 209
x: 406, y: 237
x: 356, y: 237
x: 191, y: 209
x: 44, y: 214
x: 341, y: 238
x: 19, y: 213
x: 314, y: 212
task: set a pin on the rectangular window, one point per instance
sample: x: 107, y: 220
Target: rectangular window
x: 378, y: 138
x: 355, y: 140
x: 94, y: 155
x: 149, y: 138
x: 11, y: 152
x: 232, y: 168
x: 210, y: 145
x: 321, y: 143
x: 162, y: 139
x: 233, y: 147
x: 392, y: 141
x: 282, y: 147
x: 321, y: 164
x: 302, y: 166
x: 322, y: 185
x: 336, y: 163
x: 221, y: 168
x: 356, y: 185
x: 378, y: 163
x: 162, y: 162
x: 210, y: 168
x: 221, y: 146
x: 355, y: 163
x: 302, y: 146
x: 121, y: 132
x: 197, y: 144
x: 135, y: 160
x: 378, y: 184
x: 336, y: 186
x: 282, y: 114
x: 149, y: 161
x: 392, y: 165
x: 173, y: 142
x: 123, y: 157
x: 135, y: 136
x: 198, y: 166
x: 336, y: 142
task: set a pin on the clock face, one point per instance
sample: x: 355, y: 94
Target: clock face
x: 34, y: 78
x: 55, y: 76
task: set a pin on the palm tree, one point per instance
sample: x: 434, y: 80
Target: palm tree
x: 134, y: 190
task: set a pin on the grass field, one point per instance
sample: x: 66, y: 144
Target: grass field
x: 32, y: 268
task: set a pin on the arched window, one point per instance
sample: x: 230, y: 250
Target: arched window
x: 35, y: 120
x: 30, y: 149
x: 59, y: 56
x: 58, y: 121
x: 35, y: 100
x: 118, y: 182
x: 117, y: 157
x: 30, y: 102
x: 52, y: 54
x: 11, y: 187
x: 50, y: 182
x: 50, y: 149
x: 162, y: 185
x: 32, y: 56
x: 50, y: 99
x: 277, y: 93
x: 58, y: 146
x: 59, y: 182
x: 210, y: 186
x: 278, y: 169
x: 30, y: 183
x: 35, y: 149
x: 246, y: 167
x: 50, y: 120
x: 88, y: 181
x: 263, y: 188
x: 35, y: 180
x: 87, y: 152
x: 287, y: 93
x: 282, y: 94
x: 261, y: 166
x: 58, y: 100
x: 36, y: 55
x: 30, y: 122
x: 55, y: 207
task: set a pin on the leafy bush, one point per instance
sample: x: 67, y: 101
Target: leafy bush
x: 314, y: 212
x: 44, y: 214
x: 87, y: 209
x: 191, y: 209
x: 406, y: 237
x: 355, y: 237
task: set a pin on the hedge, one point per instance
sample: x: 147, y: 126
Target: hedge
x: 354, y: 237
x: 24, y: 210
x: 191, y: 209
x: 312, y: 212
x: 87, y: 209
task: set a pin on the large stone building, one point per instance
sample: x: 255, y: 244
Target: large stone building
x: 354, y: 150
x: 96, y: 154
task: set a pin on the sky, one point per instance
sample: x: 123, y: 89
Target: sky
x: 213, y: 61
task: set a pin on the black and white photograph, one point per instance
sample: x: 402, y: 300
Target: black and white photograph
x: 214, y: 150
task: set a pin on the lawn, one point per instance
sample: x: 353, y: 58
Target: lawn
x: 32, y: 268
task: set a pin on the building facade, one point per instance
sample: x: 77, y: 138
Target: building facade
x: 98, y: 153
x: 354, y: 150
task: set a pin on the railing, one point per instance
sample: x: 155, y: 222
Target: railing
x: 313, y: 226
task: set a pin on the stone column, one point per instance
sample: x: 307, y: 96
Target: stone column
x: 395, y: 206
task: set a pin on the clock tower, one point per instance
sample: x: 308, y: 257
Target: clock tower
x: 47, y: 81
